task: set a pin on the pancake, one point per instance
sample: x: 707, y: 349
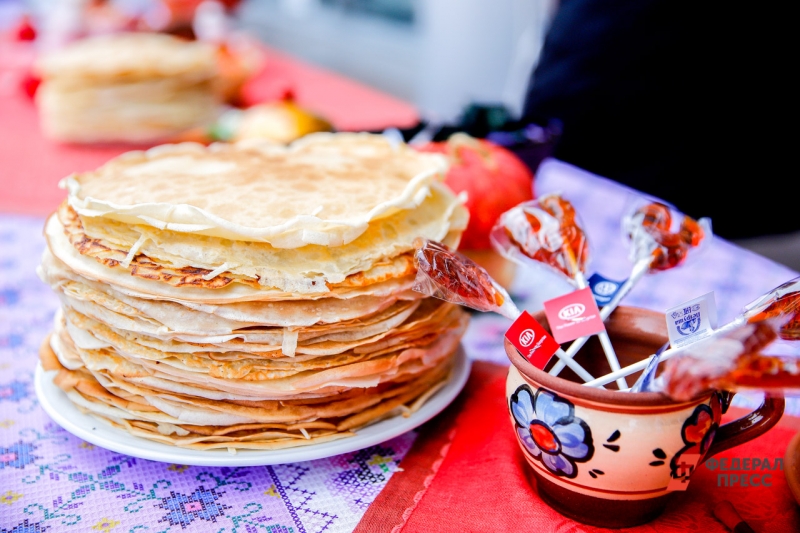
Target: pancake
x: 129, y: 56
x: 251, y: 296
x: 107, y: 348
x: 416, y: 322
x: 153, y: 288
x: 382, y: 252
x: 311, y: 192
x: 213, y: 319
x: 130, y: 87
x: 189, y: 422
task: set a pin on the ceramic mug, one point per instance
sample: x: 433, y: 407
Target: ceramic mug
x: 606, y: 458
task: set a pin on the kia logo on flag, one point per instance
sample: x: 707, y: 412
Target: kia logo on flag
x: 572, y: 311
x: 526, y: 337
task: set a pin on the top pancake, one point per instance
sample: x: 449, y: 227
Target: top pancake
x: 323, y: 189
x: 128, y: 57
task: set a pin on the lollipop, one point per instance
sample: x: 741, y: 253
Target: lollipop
x: 734, y: 361
x: 453, y: 277
x: 543, y: 232
x: 783, y: 300
x: 655, y: 246
x: 546, y: 232
x: 649, y: 229
x: 791, y: 330
x: 777, y: 313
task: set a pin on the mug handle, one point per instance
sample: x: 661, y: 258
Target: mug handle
x: 748, y: 427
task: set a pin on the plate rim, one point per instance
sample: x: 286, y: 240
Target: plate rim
x: 125, y: 443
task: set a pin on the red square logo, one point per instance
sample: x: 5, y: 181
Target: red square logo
x: 573, y: 315
x: 532, y: 340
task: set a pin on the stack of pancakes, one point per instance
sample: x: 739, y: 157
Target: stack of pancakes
x: 130, y: 87
x: 257, y: 296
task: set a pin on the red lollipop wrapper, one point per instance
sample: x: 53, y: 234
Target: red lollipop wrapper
x: 663, y: 234
x: 451, y: 276
x: 751, y: 357
x: 543, y: 233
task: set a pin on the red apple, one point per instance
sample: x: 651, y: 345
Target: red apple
x: 494, y: 178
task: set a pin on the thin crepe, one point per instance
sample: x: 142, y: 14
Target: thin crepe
x: 311, y: 192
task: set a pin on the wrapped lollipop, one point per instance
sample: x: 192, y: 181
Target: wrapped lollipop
x: 775, y: 316
x: 546, y: 233
x: 543, y: 233
x: 782, y: 301
x: 453, y: 277
x: 749, y: 357
x: 660, y: 239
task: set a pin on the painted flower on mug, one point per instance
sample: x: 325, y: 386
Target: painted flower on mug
x: 699, y: 430
x: 549, y: 430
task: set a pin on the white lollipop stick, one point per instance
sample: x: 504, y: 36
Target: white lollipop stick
x: 630, y: 369
x: 575, y: 367
x: 605, y: 342
x: 665, y: 355
x: 640, y: 268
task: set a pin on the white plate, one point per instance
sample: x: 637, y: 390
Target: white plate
x: 100, y: 433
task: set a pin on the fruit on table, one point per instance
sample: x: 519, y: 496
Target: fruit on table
x: 494, y: 178
x: 282, y: 121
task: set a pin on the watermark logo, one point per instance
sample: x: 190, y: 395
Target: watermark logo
x: 749, y: 471
x: 733, y: 472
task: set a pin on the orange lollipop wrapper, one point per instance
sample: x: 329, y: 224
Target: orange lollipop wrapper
x: 453, y: 277
x: 751, y: 357
x: 543, y: 233
x: 782, y: 302
x: 662, y: 234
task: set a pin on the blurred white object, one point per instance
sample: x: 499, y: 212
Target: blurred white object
x: 446, y: 55
x: 210, y: 23
x: 477, y: 51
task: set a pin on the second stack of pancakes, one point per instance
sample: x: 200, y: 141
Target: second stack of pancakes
x: 257, y: 296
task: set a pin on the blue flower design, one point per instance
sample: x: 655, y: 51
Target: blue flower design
x: 14, y: 391
x: 549, y: 431
x: 182, y: 509
x: 26, y: 527
x: 17, y: 455
x: 9, y: 296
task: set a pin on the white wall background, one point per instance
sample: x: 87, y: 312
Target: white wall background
x: 455, y: 52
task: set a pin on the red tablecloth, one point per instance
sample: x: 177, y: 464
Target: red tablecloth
x: 465, y: 472
x: 32, y: 165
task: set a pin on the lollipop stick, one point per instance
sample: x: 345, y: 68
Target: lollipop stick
x: 574, y: 366
x: 635, y: 367
x: 605, y: 342
x: 665, y: 355
x: 640, y: 268
x: 611, y: 356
